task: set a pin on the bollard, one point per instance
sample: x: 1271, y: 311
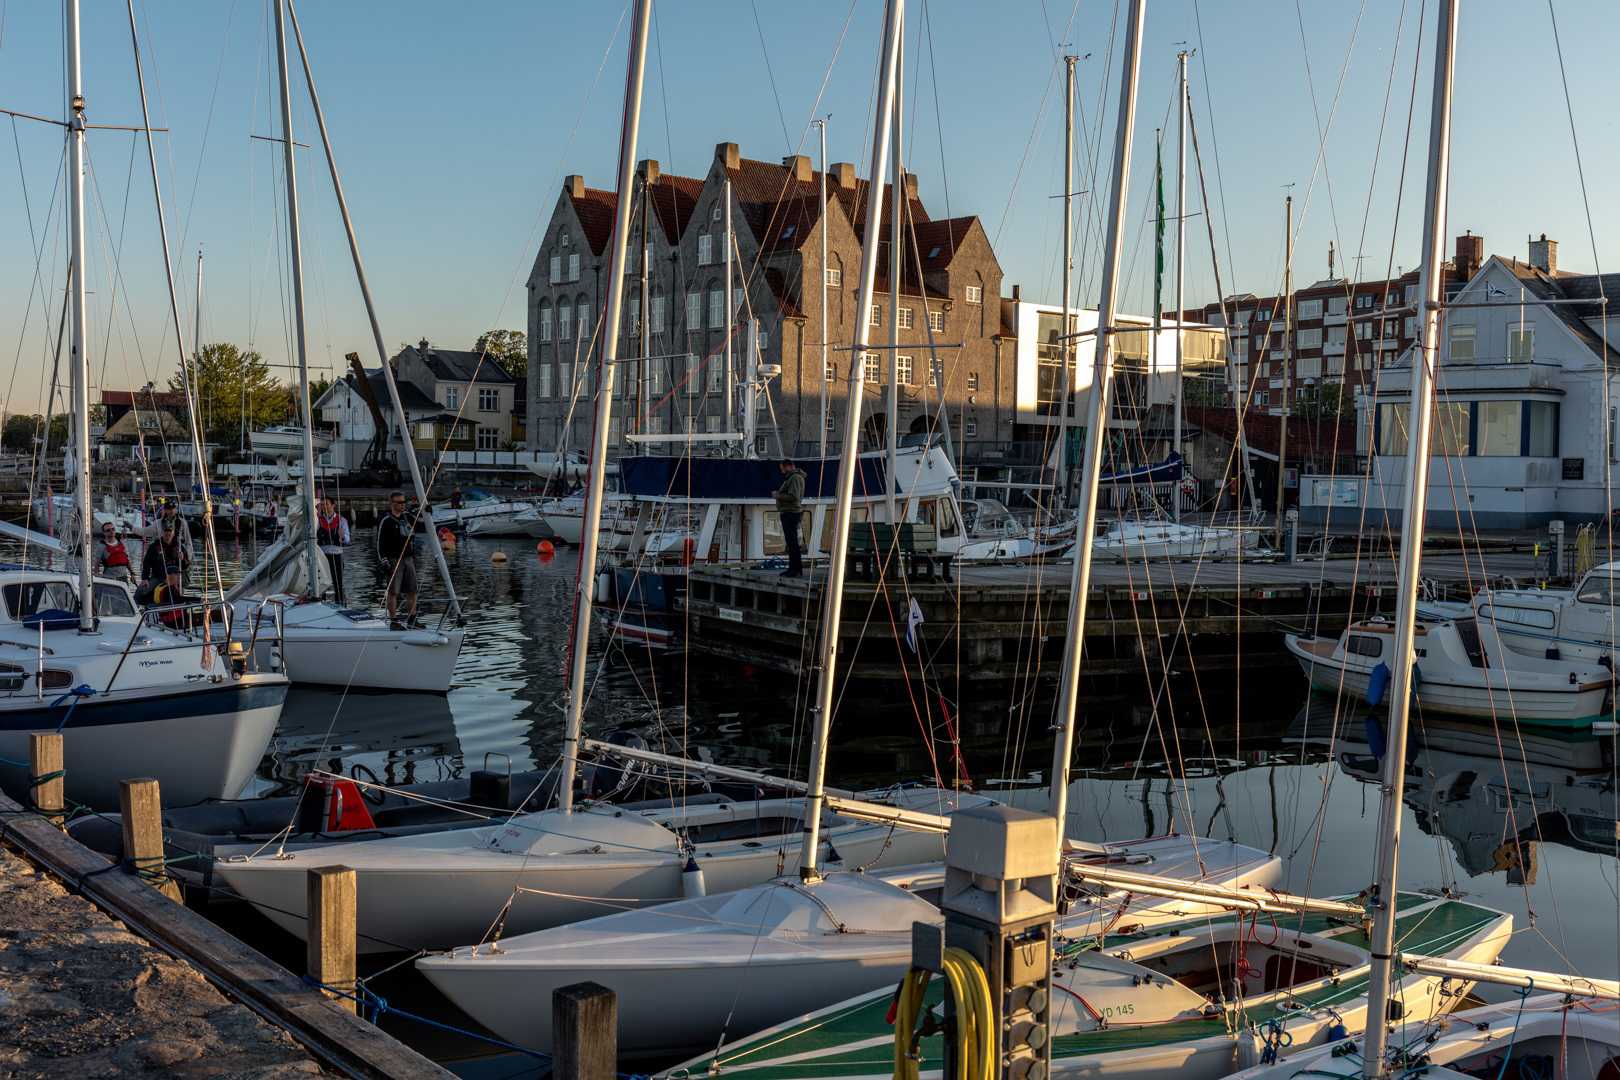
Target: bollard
x: 1291, y: 540
x: 331, y: 896
x: 45, y: 775
x: 1555, y: 549
x: 141, y: 806
x: 584, y: 1032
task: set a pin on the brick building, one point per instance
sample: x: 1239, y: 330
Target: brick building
x: 950, y: 285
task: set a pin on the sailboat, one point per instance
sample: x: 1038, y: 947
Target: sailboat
x: 277, y: 606
x: 132, y: 693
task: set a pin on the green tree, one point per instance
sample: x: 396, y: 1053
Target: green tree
x: 1330, y: 401
x: 227, y: 378
x: 509, y: 348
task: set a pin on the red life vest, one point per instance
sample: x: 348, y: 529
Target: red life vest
x: 329, y: 531
x: 116, y: 555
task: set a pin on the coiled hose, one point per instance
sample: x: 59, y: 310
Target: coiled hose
x: 975, y: 1018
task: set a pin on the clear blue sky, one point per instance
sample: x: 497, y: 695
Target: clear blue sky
x: 455, y: 123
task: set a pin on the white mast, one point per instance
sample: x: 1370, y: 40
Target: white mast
x: 1287, y: 365
x: 630, y: 127
x: 295, y: 255
x: 1102, y: 380
x: 1181, y: 266
x: 1060, y: 487
x: 849, y: 456
x: 406, y: 449
x: 644, y: 368
x: 1424, y: 362
x: 731, y: 322
x: 196, y: 350
x: 825, y: 386
x: 79, y: 364
x: 891, y: 398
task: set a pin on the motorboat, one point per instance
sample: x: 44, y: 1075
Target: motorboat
x: 519, y: 520
x: 995, y: 536
x: 481, y: 506
x: 547, y: 868
x: 145, y: 694
x: 1568, y: 624
x: 1463, y: 669
x: 758, y: 956
x: 286, y: 440
x: 1196, y: 998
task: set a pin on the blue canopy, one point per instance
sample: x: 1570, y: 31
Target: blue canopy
x: 731, y: 479
x: 1164, y: 472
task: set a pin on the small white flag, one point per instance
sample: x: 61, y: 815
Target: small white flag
x: 914, y: 619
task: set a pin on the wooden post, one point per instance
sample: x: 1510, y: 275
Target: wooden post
x: 141, y: 806
x: 331, y: 897
x: 45, y: 774
x: 584, y: 1032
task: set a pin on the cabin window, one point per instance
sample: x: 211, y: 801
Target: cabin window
x: 1596, y: 589
x: 114, y: 600
x: 1366, y: 645
x: 31, y: 597
x: 55, y: 679
x: 947, y: 519
x: 1519, y: 616
x: 771, y: 535
x: 12, y: 678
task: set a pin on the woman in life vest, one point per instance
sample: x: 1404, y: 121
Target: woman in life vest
x: 332, y: 536
x: 112, y: 558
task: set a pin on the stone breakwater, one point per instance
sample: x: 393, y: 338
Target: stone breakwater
x: 81, y: 996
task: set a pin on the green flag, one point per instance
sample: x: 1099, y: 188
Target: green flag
x: 1158, y: 226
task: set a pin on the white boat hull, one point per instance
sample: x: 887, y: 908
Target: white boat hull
x: 324, y: 645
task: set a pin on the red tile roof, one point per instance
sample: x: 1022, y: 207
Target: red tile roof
x: 595, y: 212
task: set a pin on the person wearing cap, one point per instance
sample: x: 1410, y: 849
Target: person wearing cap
x: 790, y: 504
x: 169, y: 514
x: 112, y: 557
x: 164, y: 566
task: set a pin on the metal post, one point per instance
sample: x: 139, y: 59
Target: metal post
x: 295, y: 256
x: 838, y: 544
x: 897, y: 200
x: 825, y: 386
x: 196, y: 351
x: 1413, y: 514
x: 731, y: 320
x: 1181, y: 244
x: 1097, y: 420
x: 1287, y: 365
x: 79, y: 363
x: 585, y: 586
x: 751, y: 392
x: 407, y: 450
x: 1060, y: 489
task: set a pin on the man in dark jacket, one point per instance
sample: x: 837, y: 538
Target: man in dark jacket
x: 396, y: 549
x: 790, y: 504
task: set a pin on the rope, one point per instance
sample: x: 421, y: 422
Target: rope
x: 378, y: 1007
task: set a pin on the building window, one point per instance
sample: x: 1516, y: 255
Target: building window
x: 1263, y: 314
x: 1462, y: 341
x: 972, y: 381
x: 1521, y: 342
x: 694, y: 310
x: 692, y: 373
x: 573, y: 266
x: 832, y: 424
x: 1542, y: 418
x: 877, y: 316
x: 425, y: 431
x: 582, y: 317
x: 1310, y: 309
x: 1335, y: 305
x: 489, y: 399
x: 736, y: 302
x: 975, y: 294
x: 970, y: 428
x: 835, y: 277
x: 556, y: 269
x: 711, y: 424
x: 657, y: 315
x: 542, y: 380
x: 870, y: 367
x: 1335, y: 336
x: 452, y: 396
x: 1364, y: 302
x: 936, y: 321
x: 902, y: 370
x: 1499, y: 426
x: 716, y: 376
x: 489, y: 438
x: 1308, y: 339
x: 655, y: 380
x: 543, y: 330
x: 565, y: 385
x: 764, y: 342
x: 705, y: 249
x: 936, y: 373
x: 829, y: 372
x: 905, y: 318
x: 718, y: 213
x: 717, y: 308
x: 1409, y: 327
x: 655, y: 425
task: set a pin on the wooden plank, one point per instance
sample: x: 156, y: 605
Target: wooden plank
x: 340, y: 1040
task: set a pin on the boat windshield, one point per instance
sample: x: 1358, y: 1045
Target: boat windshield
x: 31, y: 597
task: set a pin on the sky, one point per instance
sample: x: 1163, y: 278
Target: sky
x: 454, y: 125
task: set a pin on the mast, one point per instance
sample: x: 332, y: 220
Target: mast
x: 1413, y: 514
x: 1287, y: 365
x: 849, y: 454
x: 196, y: 347
x: 731, y: 320
x: 406, y: 449
x: 1181, y: 244
x: 822, y: 126
x: 644, y: 365
x: 1097, y: 420
x: 295, y: 255
x: 1065, y: 345
x: 586, y: 584
x: 891, y: 397
x: 79, y: 364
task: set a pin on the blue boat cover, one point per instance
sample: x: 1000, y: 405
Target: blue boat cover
x: 52, y: 619
x: 1164, y: 472
x: 730, y: 479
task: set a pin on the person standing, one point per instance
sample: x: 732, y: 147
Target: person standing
x: 332, y: 535
x: 112, y: 558
x: 790, y: 504
x: 396, y: 550
x: 164, y: 565
x: 169, y: 515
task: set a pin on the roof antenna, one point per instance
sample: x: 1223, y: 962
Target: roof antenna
x: 1330, y: 261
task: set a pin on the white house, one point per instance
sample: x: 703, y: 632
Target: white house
x: 346, y: 409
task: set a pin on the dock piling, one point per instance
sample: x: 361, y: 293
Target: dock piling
x: 331, y: 894
x: 585, y: 1032
x: 140, y: 804
x: 45, y: 774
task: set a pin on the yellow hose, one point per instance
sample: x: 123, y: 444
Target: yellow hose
x: 975, y: 1018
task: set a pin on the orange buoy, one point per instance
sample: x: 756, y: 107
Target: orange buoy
x: 498, y: 558
x: 545, y: 549
x: 447, y: 538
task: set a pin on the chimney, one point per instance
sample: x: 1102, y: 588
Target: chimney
x: 1544, y: 254
x: 1470, y: 256
x: 842, y: 175
x: 1018, y: 294
x: 726, y: 153
x: 799, y: 166
x: 648, y: 170
x: 574, y: 187
x: 910, y: 181
x: 423, y: 347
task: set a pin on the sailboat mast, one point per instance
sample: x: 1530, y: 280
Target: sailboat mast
x: 644, y: 365
x: 825, y: 385
x: 591, y: 525
x: 1424, y: 362
x: 1060, y: 488
x: 891, y: 397
x: 79, y: 364
x: 731, y: 321
x: 1181, y: 265
x: 1102, y: 380
x: 406, y: 449
x: 850, y: 454
x: 196, y: 348
x: 295, y: 254
x: 1287, y: 366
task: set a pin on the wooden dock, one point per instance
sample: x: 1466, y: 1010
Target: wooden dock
x: 1006, y: 623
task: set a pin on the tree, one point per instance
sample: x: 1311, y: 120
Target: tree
x: 227, y: 378
x: 1330, y: 401
x: 509, y: 348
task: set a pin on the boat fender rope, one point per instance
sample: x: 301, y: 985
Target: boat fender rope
x: 72, y: 697
x: 377, y: 1006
